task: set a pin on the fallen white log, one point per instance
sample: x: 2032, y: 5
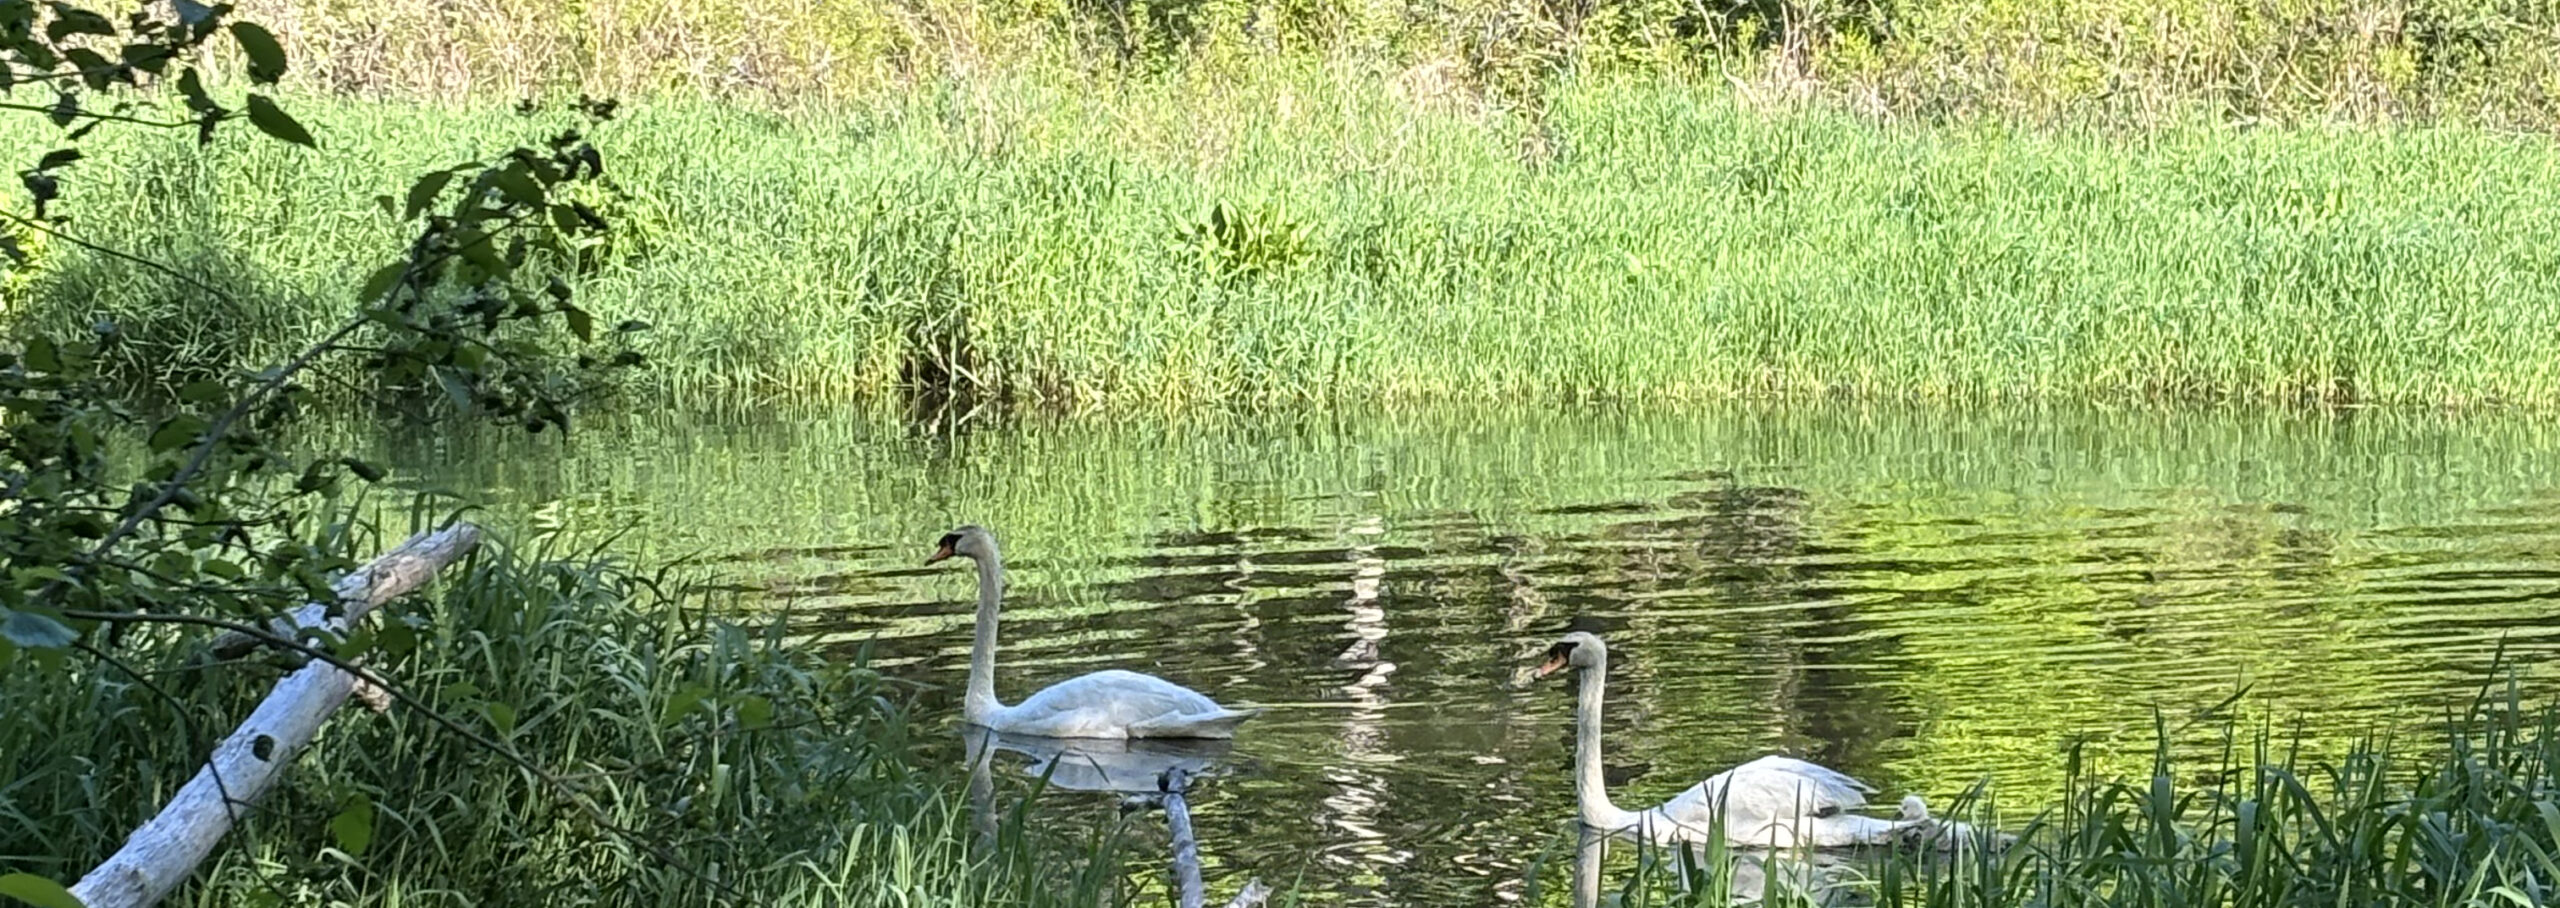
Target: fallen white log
x: 165, y: 850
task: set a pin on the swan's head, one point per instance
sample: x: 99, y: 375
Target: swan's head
x: 971, y: 541
x: 1580, y: 649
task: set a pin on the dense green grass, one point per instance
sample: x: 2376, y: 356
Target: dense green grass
x: 1045, y: 240
x: 2470, y: 818
x: 791, y: 779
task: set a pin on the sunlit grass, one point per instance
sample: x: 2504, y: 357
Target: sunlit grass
x: 1027, y: 238
x: 2470, y: 817
x: 722, y: 753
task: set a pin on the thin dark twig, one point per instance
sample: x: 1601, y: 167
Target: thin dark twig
x: 594, y: 813
x: 42, y: 227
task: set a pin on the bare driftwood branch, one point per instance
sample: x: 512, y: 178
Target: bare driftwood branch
x: 1186, y: 849
x: 246, y: 763
x: 1252, y: 895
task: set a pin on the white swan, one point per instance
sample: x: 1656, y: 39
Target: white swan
x: 1104, y: 704
x: 1771, y: 802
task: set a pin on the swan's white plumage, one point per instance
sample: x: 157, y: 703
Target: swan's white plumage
x: 1777, y: 802
x: 1116, y: 704
x: 1105, y: 704
x: 1771, y: 802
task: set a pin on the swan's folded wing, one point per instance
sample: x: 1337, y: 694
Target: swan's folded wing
x: 1110, y: 704
x: 1219, y: 724
x: 1769, y: 789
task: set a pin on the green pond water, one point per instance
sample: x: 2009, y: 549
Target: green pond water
x: 1925, y: 598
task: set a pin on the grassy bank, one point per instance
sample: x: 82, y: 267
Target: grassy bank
x: 1312, y: 234
x: 2461, y: 60
x: 787, y: 778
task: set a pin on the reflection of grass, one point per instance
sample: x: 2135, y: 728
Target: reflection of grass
x: 1679, y: 247
x: 1964, y: 592
x: 794, y: 780
x: 2468, y: 818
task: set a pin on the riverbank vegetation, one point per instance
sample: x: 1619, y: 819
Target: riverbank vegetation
x: 2468, y: 817
x: 1303, y: 234
x: 2490, y: 63
x: 640, y: 743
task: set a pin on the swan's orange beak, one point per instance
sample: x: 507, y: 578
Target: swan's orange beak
x: 939, y: 553
x: 1555, y: 663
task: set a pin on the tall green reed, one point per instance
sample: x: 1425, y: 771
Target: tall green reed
x: 1301, y: 234
x: 2468, y: 819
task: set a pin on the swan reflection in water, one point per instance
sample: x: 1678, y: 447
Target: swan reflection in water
x: 1125, y: 766
x: 1134, y: 768
x: 1824, y: 878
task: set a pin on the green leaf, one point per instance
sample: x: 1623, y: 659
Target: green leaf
x: 71, y: 20
x: 58, y: 157
x: 379, y: 286
x: 501, y: 717
x: 754, y: 712
x: 148, y: 58
x: 201, y: 392
x: 35, y: 631
x: 369, y: 472
x: 396, y: 639
x: 353, y: 826
x: 41, y: 355
x: 37, y: 891
x: 273, y: 121
x: 190, y: 12
x: 517, y: 185
x: 474, y: 246
x: 686, y: 698
x: 266, y: 57
x: 423, y: 193
x: 191, y: 86
x: 315, y: 478
x: 176, y: 432
x: 580, y: 323
x: 95, y: 71
x: 454, y: 388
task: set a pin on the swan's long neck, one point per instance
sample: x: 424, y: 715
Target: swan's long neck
x: 1590, y: 788
x: 981, y: 703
